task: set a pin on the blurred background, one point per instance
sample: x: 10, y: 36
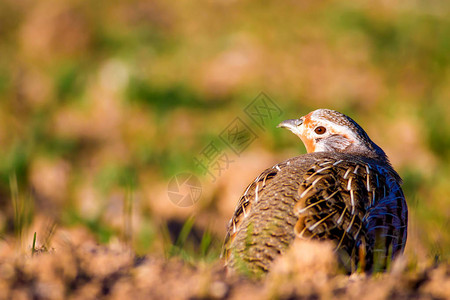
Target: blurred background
x: 102, y: 103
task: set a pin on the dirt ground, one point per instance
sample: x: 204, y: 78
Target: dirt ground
x: 86, y: 270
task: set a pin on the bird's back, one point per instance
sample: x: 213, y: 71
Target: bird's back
x: 352, y: 200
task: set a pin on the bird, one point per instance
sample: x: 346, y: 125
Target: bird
x: 343, y: 190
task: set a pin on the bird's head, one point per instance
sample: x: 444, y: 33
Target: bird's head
x: 329, y: 130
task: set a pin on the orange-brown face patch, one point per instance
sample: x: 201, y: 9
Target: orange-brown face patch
x: 306, y: 137
x: 307, y: 119
x: 309, y: 144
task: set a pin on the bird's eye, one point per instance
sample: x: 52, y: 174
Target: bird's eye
x: 320, y: 130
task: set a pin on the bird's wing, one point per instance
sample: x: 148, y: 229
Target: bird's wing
x: 357, y: 204
x: 244, y: 207
x: 387, y: 222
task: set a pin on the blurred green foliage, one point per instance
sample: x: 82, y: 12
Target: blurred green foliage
x: 99, y: 96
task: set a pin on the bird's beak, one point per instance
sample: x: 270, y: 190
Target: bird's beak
x: 294, y: 125
x: 291, y: 124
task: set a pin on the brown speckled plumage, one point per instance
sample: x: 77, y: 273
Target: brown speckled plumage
x: 353, y: 199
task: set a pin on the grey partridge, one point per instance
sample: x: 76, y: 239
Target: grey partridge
x: 343, y: 190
